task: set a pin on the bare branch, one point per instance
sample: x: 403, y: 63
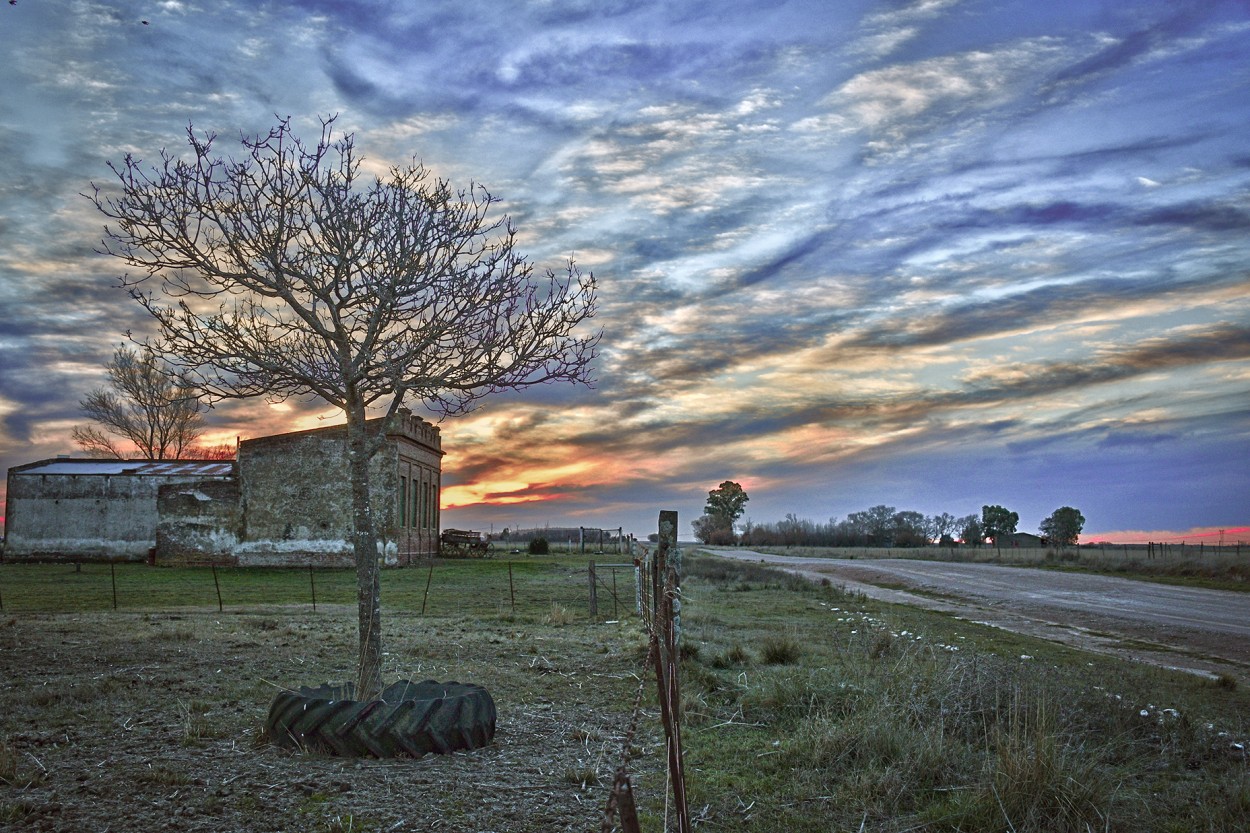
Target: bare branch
x: 281, y: 274
x: 94, y: 441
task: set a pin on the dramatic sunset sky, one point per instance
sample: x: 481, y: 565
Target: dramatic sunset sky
x: 930, y: 254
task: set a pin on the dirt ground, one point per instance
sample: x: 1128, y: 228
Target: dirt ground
x: 121, y: 722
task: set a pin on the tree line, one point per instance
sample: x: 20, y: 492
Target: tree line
x: 879, y: 526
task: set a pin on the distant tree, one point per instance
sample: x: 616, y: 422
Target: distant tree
x: 709, y: 529
x: 220, y: 451
x: 145, y: 403
x: 909, y: 529
x: 725, y: 504
x: 970, y: 531
x: 288, y: 273
x: 879, y: 524
x: 794, y: 530
x: 997, y: 523
x: 940, y: 528
x: 1063, y: 527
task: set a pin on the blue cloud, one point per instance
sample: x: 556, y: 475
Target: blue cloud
x: 834, y: 243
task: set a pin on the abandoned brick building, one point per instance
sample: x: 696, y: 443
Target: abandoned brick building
x: 285, y: 501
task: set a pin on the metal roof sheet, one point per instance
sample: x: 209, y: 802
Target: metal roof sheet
x: 167, y: 468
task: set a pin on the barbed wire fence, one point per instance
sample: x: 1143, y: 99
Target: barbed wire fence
x: 659, y: 600
x: 464, y: 587
x: 477, y: 587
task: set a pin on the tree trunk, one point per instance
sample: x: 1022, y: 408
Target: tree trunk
x: 364, y: 542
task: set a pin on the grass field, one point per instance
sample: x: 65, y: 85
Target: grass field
x: 461, y: 586
x: 1226, y: 568
x: 805, y: 709
x: 842, y: 714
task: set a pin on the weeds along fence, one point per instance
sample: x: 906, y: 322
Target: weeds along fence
x: 555, y: 587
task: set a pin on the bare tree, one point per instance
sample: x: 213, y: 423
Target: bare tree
x: 283, y: 273
x: 146, y: 404
x: 218, y: 451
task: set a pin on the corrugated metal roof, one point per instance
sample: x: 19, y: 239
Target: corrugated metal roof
x: 180, y: 468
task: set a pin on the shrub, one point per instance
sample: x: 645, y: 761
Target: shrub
x: 735, y: 657
x: 559, y: 616
x: 539, y: 546
x: 780, y: 650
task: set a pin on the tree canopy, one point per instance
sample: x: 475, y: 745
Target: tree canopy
x: 726, y: 502
x: 1062, y: 527
x: 997, y: 523
x: 285, y: 272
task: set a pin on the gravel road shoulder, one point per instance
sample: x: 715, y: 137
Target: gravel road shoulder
x: 1193, y: 649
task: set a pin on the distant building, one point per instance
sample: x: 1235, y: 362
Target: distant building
x: 74, y: 509
x: 1025, y: 540
x: 286, y: 501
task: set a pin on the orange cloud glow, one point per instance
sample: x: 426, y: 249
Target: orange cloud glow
x: 491, y: 493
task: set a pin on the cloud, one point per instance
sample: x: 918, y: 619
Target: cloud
x: 1124, y: 49
x: 841, y: 251
x: 1049, y: 305
x: 1227, y: 342
x: 898, y: 103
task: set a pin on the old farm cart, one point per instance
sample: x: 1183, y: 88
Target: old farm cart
x: 463, y: 543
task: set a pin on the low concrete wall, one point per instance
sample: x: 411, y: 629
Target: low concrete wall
x: 199, y: 522
x: 75, y: 518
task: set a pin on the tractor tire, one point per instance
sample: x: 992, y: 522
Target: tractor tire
x: 410, y: 719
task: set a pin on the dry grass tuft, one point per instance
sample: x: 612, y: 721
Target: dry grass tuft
x: 780, y: 650
x: 559, y: 616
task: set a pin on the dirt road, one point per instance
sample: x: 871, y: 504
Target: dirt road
x: 1201, y: 631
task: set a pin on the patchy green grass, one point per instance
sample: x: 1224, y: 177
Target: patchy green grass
x: 894, y: 719
x: 804, y: 709
x: 1226, y: 568
x: 481, y: 586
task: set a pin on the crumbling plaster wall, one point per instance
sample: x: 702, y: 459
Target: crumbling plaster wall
x: 199, y: 522
x: 296, y: 500
x: 96, y: 516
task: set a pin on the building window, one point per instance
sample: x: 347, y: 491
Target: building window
x: 403, y: 501
x: 416, y: 502
x: 425, y: 507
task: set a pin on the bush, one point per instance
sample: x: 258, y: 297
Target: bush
x: 539, y: 546
x: 735, y: 657
x: 780, y: 650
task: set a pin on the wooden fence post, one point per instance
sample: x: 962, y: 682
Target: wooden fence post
x: 594, y: 593
x: 668, y: 628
